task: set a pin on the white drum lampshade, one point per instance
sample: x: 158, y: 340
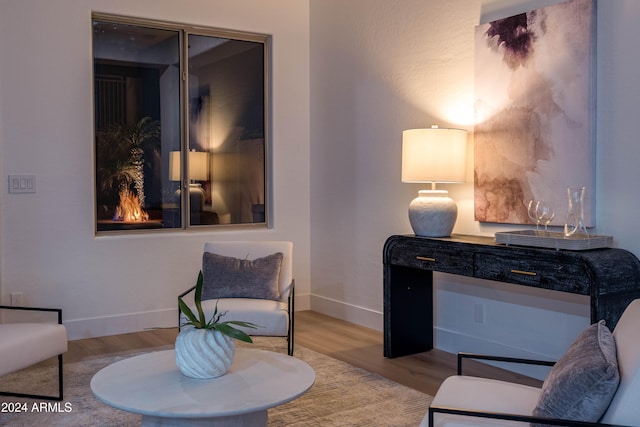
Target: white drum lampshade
x: 198, y: 171
x: 198, y: 166
x: 434, y: 155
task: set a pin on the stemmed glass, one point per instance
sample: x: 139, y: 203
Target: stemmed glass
x: 545, y: 213
x: 532, y: 211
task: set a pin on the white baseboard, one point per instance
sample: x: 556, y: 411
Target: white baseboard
x: 302, y: 302
x: 136, y: 322
x: 120, y: 324
x: 351, y: 313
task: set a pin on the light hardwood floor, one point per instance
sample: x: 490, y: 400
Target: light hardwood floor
x: 341, y: 340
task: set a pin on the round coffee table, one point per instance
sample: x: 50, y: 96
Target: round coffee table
x: 152, y: 385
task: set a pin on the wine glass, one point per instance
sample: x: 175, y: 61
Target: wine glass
x: 532, y: 211
x: 545, y: 213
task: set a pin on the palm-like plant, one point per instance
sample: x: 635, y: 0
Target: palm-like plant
x: 120, y: 155
x: 200, y: 322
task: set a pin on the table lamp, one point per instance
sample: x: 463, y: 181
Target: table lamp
x: 198, y: 171
x: 434, y: 155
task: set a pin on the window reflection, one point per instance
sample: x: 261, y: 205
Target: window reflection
x: 141, y: 138
x: 226, y: 120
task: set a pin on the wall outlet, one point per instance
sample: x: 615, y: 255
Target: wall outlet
x: 16, y: 299
x: 478, y: 312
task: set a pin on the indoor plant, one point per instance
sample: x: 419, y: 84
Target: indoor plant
x: 205, y: 348
x: 123, y: 153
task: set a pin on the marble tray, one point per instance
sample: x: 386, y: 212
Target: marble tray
x: 553, y: 240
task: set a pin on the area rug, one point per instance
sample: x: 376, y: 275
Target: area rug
x: 343, y: 395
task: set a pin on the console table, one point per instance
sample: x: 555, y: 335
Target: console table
x: 610, y: 277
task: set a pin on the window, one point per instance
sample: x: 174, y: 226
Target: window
x: 170, y: 99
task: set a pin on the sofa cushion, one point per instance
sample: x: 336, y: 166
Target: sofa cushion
x: 581, y: 384
x: 482, y: 394
x: 229, y: 277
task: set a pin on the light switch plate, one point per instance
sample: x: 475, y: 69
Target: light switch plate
x: 22, y: 183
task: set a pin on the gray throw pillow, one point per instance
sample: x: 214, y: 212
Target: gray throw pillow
x: 582, y: 383
x: 228, y: 277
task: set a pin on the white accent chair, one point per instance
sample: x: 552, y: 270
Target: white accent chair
x: 25, y: 344
x: 471, y: 401
x: 275, y: 318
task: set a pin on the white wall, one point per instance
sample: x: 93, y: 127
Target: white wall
x: 48, y: 251
x: 379, y: 67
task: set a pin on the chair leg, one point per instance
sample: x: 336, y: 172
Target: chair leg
x: 291, y: 320
x: 290, y: 339
x: 60, y: 376
x: 59, y: 397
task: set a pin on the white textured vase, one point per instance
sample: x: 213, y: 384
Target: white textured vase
x: 432, y: 213
x: 204, y: 353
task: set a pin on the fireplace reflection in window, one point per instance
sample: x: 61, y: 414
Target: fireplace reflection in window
x: 140, y: 138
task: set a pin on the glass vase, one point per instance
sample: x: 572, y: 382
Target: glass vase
x: 574, y: 226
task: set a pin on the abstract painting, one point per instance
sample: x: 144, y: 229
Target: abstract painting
x: 535, y: 112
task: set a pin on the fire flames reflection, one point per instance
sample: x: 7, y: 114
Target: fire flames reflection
x: 129, y: 209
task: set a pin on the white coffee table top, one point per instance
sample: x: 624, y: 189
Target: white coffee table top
x: 151, y: 384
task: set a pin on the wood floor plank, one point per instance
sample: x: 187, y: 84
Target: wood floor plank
x: 363, y: 347
x: 354, y: 344
x: 89, y: 348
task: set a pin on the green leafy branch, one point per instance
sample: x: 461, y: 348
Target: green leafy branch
x: 200, y: 322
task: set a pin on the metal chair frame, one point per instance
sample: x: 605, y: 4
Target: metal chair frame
x: 59, y: 396
x: 505, y: 416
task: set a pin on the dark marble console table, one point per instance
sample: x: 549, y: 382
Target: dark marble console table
x: 611, y: 278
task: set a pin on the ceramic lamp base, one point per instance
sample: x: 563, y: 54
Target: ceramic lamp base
x: 196, y: 197
x: 433, y: 213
